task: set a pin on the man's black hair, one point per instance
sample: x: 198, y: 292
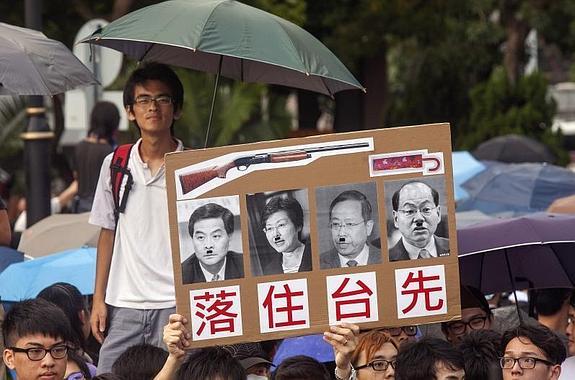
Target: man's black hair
x: 353, y: 195
x: 140, y: 362
x: 291, y: 207
x: 211, y: 363
x: 471, y: 297
x: 395, y: 196
x: 68, y: 298
x: 481, y: 351
x: 542, y: 337
x: 35, y: 316
x: 301, y: 367
x: 212, y: 211
x: 419, y: 360
x: 548, y: 302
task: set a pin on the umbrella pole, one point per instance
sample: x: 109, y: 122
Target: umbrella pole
x: 513, y: 286
x: 213, y: 100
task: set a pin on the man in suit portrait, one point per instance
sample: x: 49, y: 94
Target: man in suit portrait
x: 210, y: 227
x: 416, y: 214
x: 282, y: 220
x: 351, y: 224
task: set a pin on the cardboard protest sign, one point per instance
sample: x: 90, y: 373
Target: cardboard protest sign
x: 283, y: 238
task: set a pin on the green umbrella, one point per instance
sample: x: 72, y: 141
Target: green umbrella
x: 229, y: 38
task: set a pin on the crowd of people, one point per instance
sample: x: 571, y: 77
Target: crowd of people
x: 47, y: 338
x: 140, y: 336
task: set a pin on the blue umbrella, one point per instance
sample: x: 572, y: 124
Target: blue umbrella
x: 517, y: 188
x: 9, y: 256
x: 25, y: 280
x: 309, y: 345
x: 465, y: 166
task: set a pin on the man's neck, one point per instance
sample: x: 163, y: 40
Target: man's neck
x: 153, y: 148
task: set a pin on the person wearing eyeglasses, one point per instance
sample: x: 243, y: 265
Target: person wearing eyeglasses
x: 210, y: 227
x: 430, y: 359
x: 532, y: 352
x: 282, y: 220
x: 134, y: 289
x: 400, y: 335
x: 351, y: 224
x: 475, y: 315
x: 36, y: 333
x: 416, y: 214
x: 367, y: 356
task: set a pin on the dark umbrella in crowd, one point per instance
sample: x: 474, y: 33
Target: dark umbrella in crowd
x: 33, y: 64
x: 513, y: 148
x: 528, y: 252
x: 228, y: 38
x: 517, y: 188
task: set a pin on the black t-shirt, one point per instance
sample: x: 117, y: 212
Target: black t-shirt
x: 89, y: 157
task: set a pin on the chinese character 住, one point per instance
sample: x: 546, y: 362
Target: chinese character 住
x: 216, y: 313
x: 353, y: 299
x: 420, y: 280
x: 288, y: 309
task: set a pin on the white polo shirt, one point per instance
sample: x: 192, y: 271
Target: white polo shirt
x: 141, y: 273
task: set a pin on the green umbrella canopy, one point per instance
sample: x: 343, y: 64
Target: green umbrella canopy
x: 253, y: 45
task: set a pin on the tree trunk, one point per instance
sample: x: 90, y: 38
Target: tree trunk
x: 375, y: 100
x: 516, y: 31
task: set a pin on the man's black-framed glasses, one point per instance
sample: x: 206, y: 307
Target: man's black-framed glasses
x: 38, y: 353
x: 527, y: 362
x: 162, y: 100
x: 475, y: 323
x: 396, y: 331
x: 378, y: 365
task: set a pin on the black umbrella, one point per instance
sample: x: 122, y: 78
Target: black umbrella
x: 513, y: 148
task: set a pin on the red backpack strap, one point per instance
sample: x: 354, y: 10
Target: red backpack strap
x: 119, y: 169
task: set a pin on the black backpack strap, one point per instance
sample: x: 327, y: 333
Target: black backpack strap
x: 119, y: 169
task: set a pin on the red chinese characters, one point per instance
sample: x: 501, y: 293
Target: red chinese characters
x: 216, y: 313
x: 352, y: 297
x: 283, y: 305
x: 421, y: 291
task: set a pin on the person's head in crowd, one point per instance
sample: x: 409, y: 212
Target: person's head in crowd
x: 211, y: 363
x: 211, y: 227
x: 552, y: 307
x: 570, y: 329
x: 416, y: 212
x: 475, y: 315
x: 104, y: 121
x: 252, y: 358
x: 282, y: 220
x: 164, y: 82
x: 301, y: 367
x: 140, y: 362
x: 400, y: 335
x: 481, y: 351
x: 68, y: 298
x: 374, y: 356
x: 532, y: 353
x: 350, y: 222
x: 36, y: 337
x: 429, y: 359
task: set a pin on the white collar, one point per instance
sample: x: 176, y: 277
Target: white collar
x: 413, y: 251
x: 221, y: 273
x: 293, y: 257
x: 361, y: 258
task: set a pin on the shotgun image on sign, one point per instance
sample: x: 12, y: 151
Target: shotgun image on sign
x: 195, y: 179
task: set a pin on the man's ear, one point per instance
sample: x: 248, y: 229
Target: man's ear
x: 177, y: 114
x: 130, y: 113
x: 369, y: 226
x: 8, y: 356
x: 555, y: 371
x: 395, y: 219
